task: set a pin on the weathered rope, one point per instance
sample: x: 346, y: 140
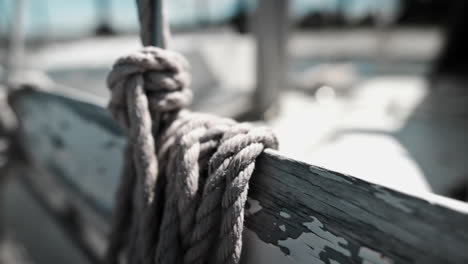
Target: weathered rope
x: 185, y: 181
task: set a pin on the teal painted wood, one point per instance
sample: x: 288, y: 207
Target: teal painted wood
x: 297, y: 213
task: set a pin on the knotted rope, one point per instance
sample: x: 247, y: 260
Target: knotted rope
x: 184, y: 184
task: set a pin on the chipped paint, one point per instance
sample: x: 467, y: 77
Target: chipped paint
x: 392, y: 200
x: 308, y: 246
x: 328, y: 175
x: 370, y: 256
x: 257, y: 251
x: 254, y: 207
x: 282, y: 228
x: 285, y: 215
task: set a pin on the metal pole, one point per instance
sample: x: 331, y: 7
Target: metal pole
x: 16, y: 44
x: 160, y: 30
x: 271, y: 32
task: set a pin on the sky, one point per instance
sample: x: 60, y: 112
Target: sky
x: 73, y: 17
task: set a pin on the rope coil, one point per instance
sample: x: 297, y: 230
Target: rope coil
x: 185, y: 181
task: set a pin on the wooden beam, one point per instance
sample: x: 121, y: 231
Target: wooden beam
x: 297, y: 212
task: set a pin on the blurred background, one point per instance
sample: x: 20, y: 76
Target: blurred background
x: 379, y: 37
x: 371, y: 88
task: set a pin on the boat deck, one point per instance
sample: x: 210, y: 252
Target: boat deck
x: 386, y: 124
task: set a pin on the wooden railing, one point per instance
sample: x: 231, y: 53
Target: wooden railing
x: 297, y: 212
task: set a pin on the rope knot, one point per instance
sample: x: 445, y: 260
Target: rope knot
x: 164, y: 75
x: 186, y: 176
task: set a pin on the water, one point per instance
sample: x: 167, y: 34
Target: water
x: 62, y: 18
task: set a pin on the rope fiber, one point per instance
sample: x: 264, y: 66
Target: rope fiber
x: 185, y: 179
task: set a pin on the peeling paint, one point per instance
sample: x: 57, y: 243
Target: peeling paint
x: 257, y: 251
x: 392, y: 200
x: 308, y: 246
x: 370, y: 256
x: 285, y: 215
x: 282, y: 228
x: 254, y: 207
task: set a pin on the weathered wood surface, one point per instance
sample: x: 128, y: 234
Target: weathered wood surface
x: 298, y: 213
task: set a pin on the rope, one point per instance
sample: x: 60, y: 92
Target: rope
x: 185, y: 179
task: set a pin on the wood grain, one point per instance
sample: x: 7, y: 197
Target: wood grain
x: 297, y: 213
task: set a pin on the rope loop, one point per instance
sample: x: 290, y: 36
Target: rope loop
x: 164, y: 75
x: 186, y: 175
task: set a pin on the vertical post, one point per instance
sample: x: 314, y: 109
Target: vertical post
x: 452, y: 60
x: 157, y: 22
x: 160, y: 30
x: 104, y: 17
x: 16, y: 42
x: 340, y: 12
x: 2, y: 25
x: 385, y: 18
x: 271, y: 30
